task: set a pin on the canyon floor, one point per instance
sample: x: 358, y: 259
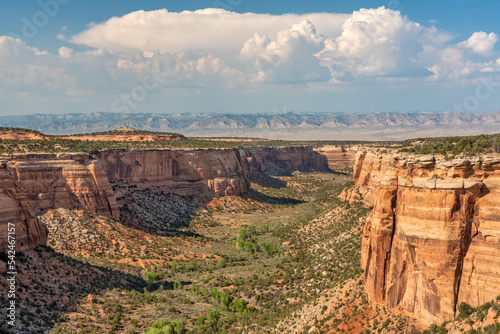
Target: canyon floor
x: 282, y: 258
x: 286, y: 252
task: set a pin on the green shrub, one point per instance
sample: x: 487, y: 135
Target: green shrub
x: 464, y: 310
x: 164, y: 326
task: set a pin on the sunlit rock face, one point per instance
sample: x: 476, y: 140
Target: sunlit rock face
x: 432, y: 240
x: 208, y: 172
x: 186, y: 172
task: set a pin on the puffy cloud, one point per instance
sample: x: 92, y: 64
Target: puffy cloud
x: 23, y: 68
x: 184, y: 68
x: 214, y: 48
x: 216, y: 31
x: 375, y: 42
x: 480, y: 43
x: 287, y: 59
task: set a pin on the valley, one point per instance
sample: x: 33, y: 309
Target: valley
x: 253, y: 239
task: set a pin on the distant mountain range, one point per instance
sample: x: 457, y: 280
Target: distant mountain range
x: 291, y: 125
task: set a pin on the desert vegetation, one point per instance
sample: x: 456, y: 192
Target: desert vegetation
x: 249, y: 263
x: 453, y: 146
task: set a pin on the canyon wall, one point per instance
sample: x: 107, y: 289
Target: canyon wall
x: 432, y: 240
x: 339, y: 157
x: 206, y: 172
x: 15, y: 212
x: 302, y: 158
x: 32, y: 183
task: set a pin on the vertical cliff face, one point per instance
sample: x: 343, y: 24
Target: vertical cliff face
x: 16, y: 212
x: 339, y: 157
x: 65, y: 181
x: 32, y: 183
x: 207, y: 172
x: 287, y: 158
x: 185, y: 172
x: 433, y: 238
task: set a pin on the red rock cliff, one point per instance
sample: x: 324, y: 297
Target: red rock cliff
x: 433, y: 238
x: 206, y: 172
x: 300, y: 158
x: 14, y: 209
x: 31, y: 183
x: 339, y: 157
x: 186, y: 172
x: 64, y: 181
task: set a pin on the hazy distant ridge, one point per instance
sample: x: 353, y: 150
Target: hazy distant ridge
x: 283, y: 125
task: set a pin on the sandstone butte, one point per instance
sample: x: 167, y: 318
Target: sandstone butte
x: 432, y: 240
x: 32, y: 183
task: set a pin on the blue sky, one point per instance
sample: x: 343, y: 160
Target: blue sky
x: 250, y: 56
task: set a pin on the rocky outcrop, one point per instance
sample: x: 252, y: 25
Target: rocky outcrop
x: 301, y: 158
x: 17, y: 216
x: 433, y: 238
x: 339, y: 157
x: 205, y: 172
x: 33, y: 183
x: 73, y: 181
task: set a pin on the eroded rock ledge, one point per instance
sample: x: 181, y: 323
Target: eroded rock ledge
x: 433, y: 238
x: 32, y: 183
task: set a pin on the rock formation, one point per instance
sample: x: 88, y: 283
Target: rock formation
x: 433, y: 238
x: 300, y: 158
x: 14, y: 209
x: 64, y: 181
x: 186, y: 172
x: 339, y: 157
x: 207, y: 172
x: 32, y: 183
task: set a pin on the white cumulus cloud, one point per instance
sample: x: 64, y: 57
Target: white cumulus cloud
x: 480, y: 42
x: 216, y: 31
x: 376, y: 42
x: 289, y: 58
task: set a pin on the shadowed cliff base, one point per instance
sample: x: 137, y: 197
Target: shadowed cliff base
x: 170, y: 214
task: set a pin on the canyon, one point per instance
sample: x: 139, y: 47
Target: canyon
x: 432, y: 240
x: 34, y: 183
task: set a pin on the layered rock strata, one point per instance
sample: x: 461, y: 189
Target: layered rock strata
x: 339, y: 157
x: 16, y: 216
x: 205, y: 172
x: 33, y: 183
x: 433, y: 238
x: 301, y: 158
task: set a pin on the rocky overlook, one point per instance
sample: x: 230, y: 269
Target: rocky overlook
x: 432, y: 240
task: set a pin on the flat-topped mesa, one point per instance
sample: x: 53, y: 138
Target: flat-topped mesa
x: 203, y: 172
x: 433, y: 238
